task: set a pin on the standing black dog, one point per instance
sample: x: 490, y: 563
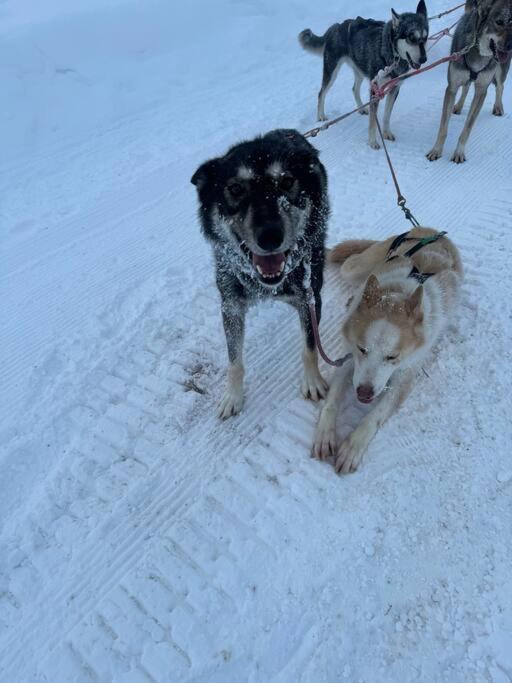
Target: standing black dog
x: 264, y: 207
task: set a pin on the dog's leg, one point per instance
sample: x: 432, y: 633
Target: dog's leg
x: 462, y: 99
x: 325, y: 435
x: 313, y: 385
x: 459, y: 155
x: 233, y: 318
x: 353, y: 448
x: 499, y: 81
x: 331, y: 68
x: 356, y: 89
x: 449, y: 100
x: 372, y: 125
x: 390, y: 103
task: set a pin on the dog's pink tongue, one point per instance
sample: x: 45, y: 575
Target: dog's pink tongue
x: 269, y: 265
x: 503, y: 56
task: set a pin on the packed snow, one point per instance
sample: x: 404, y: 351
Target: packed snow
x: 143, y: 540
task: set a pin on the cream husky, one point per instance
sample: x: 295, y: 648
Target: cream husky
x: 408, y: 288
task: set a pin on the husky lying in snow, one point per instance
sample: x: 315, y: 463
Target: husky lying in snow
x: 407, y: 294
x: 264, y: 207
x: 368, y: 46
x: 489, y: 23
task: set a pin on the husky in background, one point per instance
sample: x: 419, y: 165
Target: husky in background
x: 487, y: 27
x: 406, y: 296
x: 499, y: 79
x: 264, y: 208
x: 368, y: 46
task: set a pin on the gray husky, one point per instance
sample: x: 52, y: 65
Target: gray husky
x: 368, y: 46
x: 487, y: 31
x: 499, y: 79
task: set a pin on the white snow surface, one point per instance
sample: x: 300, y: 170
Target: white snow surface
x: 143, y: 540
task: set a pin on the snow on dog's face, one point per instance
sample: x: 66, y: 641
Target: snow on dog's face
x: 383, y: 331
x: 496, y: 36
x: 411, y: 31
x: 258, y: 198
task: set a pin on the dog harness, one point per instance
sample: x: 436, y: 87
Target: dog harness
x: 473, y: 75
x: 420, y: 243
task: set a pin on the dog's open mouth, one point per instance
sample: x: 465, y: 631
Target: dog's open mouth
x: 499, y: 55
x: 270, y: 267
x: 414, y: 65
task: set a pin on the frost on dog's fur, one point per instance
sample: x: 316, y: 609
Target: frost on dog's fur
x: 263, y: 208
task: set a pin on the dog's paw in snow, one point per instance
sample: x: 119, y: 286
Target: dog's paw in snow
x: 231, y: 404
x: 458, y: 157
x: 434, y: 154
x: 325, y: 441
x: 314, y: 386
x: 351, y: 452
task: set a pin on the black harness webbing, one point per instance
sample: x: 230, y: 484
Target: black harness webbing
x: 420, y: 243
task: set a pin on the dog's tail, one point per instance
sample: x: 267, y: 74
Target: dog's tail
x: 312, y: 42
x: 341, y: 252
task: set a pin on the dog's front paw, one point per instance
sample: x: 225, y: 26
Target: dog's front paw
x: 457, y: 109
x: 498, y: 110
x: 434, y: 154
x: 322, y: 117
x: 314, y: 386
x: 388, y: 135
x: 351, y: 452
x: 325, y: 441
x: 374, y: 144
x: 364, y: 112
x: 458, y: 157
x: 231, y: 404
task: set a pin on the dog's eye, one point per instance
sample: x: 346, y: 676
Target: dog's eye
x: 236, y: 190
x: 500, y: 22
x: 391, y: 358
x: 286, y: 182
x: 362, y: 351
x: 412, y: 39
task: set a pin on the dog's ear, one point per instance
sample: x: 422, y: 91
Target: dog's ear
x: 421, y: 8
x: 413, y: 304
x: 395, y: 18
x: 204, y: 173
x: 372, y: 292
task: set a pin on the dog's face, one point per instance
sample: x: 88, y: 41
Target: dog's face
x: 411, y: 33
x: 383, y: 332
x: 496, y: 29
x: 259, y: 198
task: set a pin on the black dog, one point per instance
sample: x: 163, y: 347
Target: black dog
x: 264, y: 207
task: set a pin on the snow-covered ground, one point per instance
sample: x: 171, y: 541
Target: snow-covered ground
x: 141, y: 539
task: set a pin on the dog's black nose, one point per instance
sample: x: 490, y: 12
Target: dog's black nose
x: 365, y: 393
x: 270, y: 238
